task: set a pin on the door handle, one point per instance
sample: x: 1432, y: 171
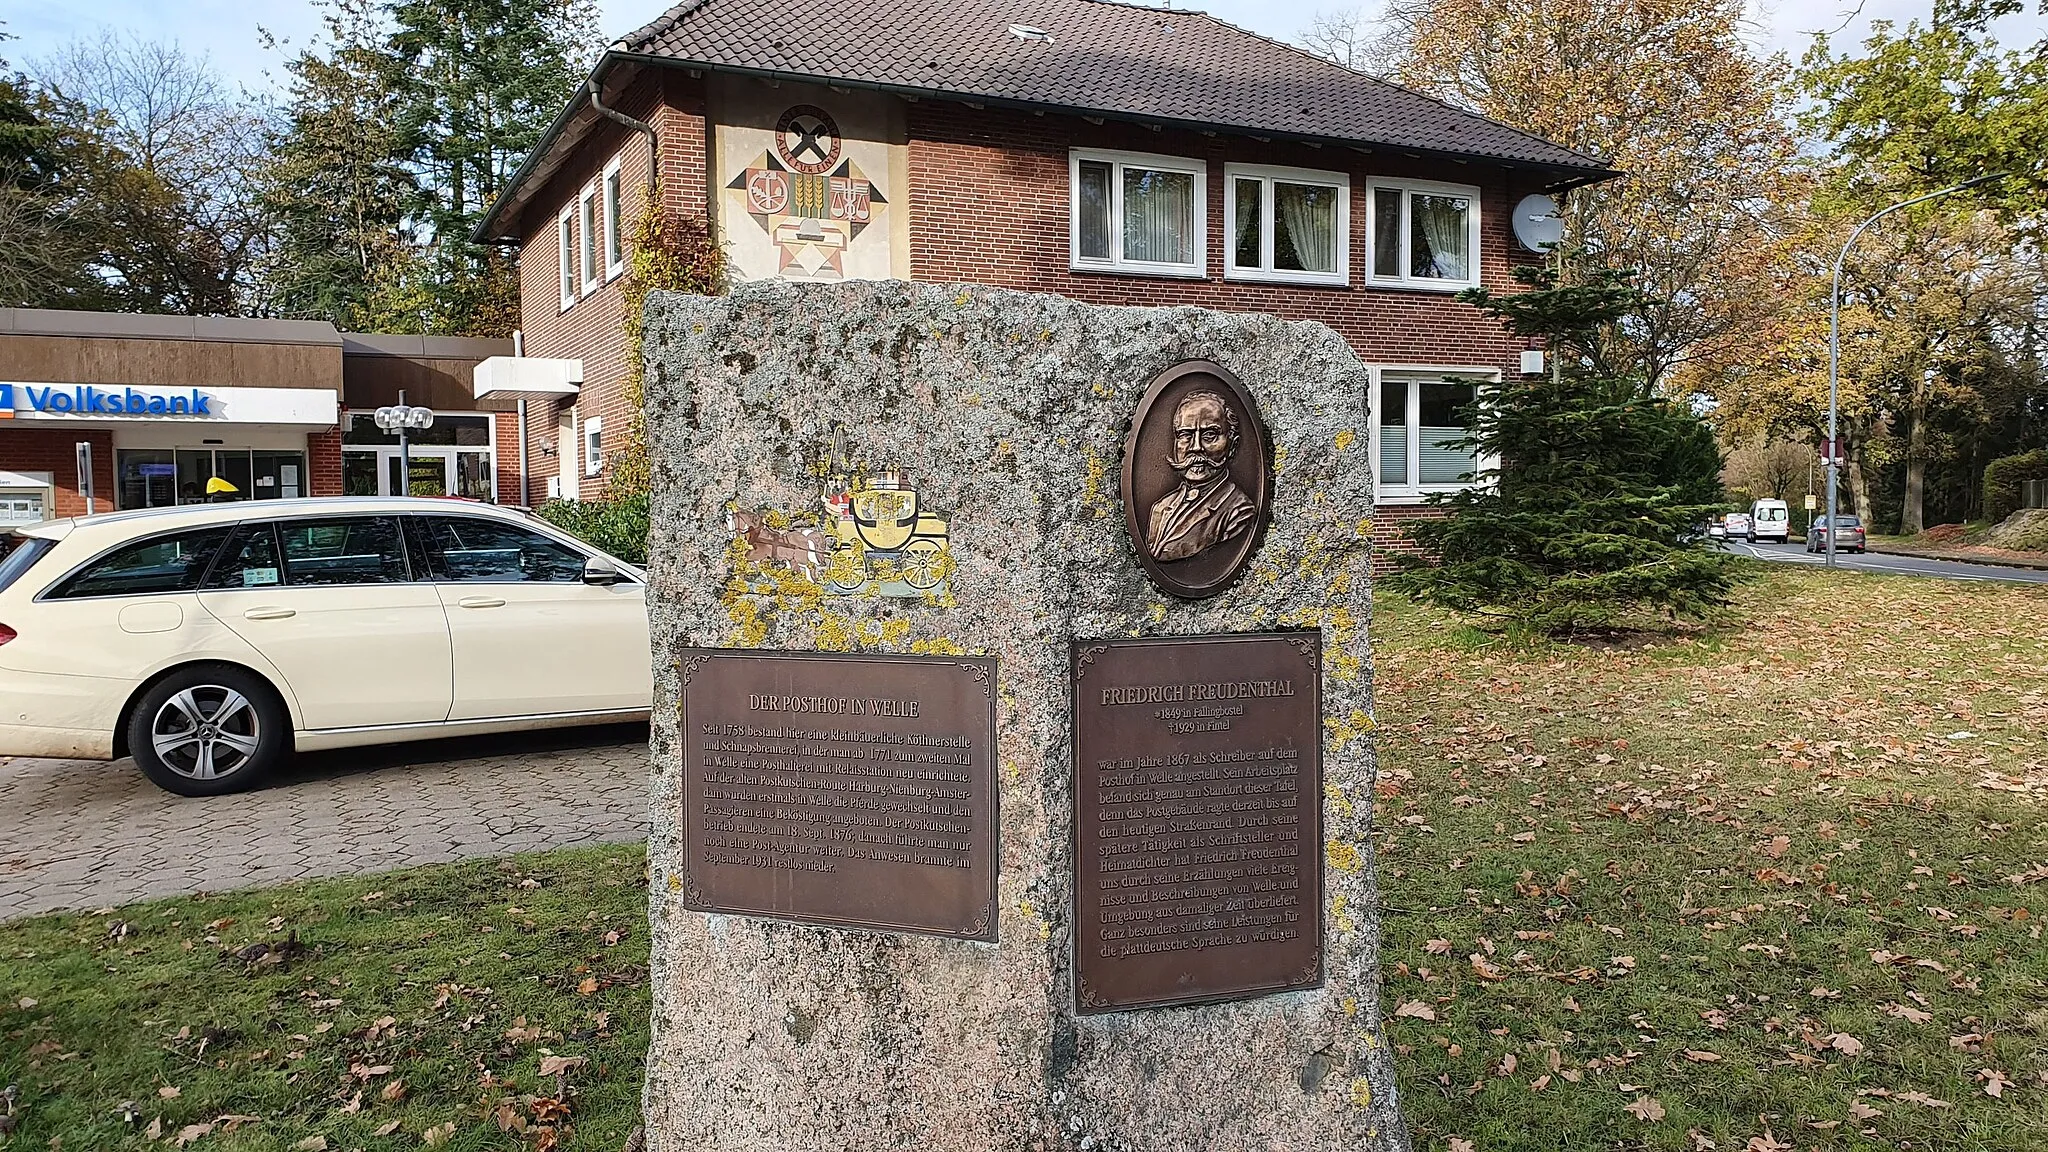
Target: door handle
x: 480, y: 602
x: 268, y: 613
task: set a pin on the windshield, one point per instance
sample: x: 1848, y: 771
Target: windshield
x: 22, y: 552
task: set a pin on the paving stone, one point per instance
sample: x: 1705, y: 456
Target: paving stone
x: 84, y: 835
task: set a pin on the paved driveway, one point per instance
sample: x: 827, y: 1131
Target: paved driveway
x: 75, y: 834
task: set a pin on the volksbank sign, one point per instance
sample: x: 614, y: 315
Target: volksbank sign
x: 88, y: 400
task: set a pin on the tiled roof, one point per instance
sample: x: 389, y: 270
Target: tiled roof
x: 1115, y: 59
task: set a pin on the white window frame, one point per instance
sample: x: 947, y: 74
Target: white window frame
x: 593, y: 445
x: 1199, y: 169
x: 1408, y: 188
x: 1266, y: 175
x: 565, y: 252
x: 614, y: 193
x: 1414, y: 491
x: 588, y: 258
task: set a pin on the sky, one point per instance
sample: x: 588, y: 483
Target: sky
x: 230, y: 32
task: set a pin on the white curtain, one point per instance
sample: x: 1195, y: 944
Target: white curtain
x: 1440, y: 225
x: 1308, y: 214
x: 1159, y: 216
x: 1249, y: 215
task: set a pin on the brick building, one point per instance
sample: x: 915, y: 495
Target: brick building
x: 103, y: 411
x: 1103, y: 151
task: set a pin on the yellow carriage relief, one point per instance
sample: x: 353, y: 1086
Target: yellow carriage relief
x: 883, y: 534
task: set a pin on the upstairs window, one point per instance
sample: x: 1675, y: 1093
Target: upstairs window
x: 1138, y: 213
x: 586, y: 213
x: 1424, y: 235
x: 565, y: 243
x: 614, y: 242
x: 1287, y: 224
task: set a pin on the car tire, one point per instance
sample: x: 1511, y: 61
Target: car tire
x: 208, y: 730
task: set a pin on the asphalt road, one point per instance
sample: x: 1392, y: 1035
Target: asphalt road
x: 1891, y: 565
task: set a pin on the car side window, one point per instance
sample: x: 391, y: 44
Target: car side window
x: 342, y: 550
x: 174, y: 563
x: 472, y: 550
x: 249, y: 562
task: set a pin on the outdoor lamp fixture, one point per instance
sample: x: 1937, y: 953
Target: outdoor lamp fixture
x: 404, y: 418
x: 1835, y: 456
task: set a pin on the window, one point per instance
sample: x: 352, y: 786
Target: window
x: 1136, y: 213
x: 593, y: 446
x: 565, y: 234
x: 1287, y: 224
x: 249, y: 562
x: 469, y: 550
x: 1424, y: 235
x: 175, y: 563
x: 614, y: 242
x: 586, y: 220
x: 343, y: 550
x: 1419, y: 420
x: 27, y: 550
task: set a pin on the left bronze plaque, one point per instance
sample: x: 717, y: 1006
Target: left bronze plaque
x: 855, y: 790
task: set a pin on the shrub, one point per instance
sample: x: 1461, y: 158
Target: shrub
x: 2003, y: 477
x: 617, y: 526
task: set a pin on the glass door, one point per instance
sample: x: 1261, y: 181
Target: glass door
x: 433, y: 472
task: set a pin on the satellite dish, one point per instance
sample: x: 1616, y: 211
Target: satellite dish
x: 1539, y: 223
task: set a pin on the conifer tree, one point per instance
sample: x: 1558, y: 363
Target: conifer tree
x: 1589, y: 516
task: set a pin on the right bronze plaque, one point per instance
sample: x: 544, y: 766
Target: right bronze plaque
x: 1198, y: 806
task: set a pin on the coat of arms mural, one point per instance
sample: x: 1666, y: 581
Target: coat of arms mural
x: 810, y: 197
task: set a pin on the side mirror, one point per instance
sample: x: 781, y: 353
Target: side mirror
x: 600, y: 572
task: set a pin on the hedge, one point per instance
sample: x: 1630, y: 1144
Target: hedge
x: 617, y: 526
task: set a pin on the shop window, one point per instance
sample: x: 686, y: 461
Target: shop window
x: 160, y: 478
x: 1287, y: 224
x: 455, y: 457
x: 1138, y: 213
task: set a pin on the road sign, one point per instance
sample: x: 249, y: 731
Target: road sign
x: 1812, y: 502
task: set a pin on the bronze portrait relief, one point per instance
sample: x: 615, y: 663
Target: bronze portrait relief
x: 1196, y: 480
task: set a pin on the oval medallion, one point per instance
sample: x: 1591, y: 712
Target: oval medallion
x: 1197, y: 480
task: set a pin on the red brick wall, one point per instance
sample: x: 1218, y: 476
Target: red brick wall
x: 593, y: 328
x: 505, y: 477
x: 53, y: 450
x: 323, y: 462
x: 1390, y: 533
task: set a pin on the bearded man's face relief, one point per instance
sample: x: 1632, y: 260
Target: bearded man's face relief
x: 1202, y: 439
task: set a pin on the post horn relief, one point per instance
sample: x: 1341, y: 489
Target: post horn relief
x: 808, y: 196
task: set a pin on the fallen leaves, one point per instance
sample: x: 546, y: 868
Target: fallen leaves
x: 549, y: 1065
x: 1646, y: 1108
x: 1415, y: 1010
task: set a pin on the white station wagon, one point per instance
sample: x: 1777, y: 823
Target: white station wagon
x: 212, y: 641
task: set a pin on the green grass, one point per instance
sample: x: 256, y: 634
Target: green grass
x: 1754, y: 883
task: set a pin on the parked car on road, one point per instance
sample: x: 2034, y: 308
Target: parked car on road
x: 1849, y: 537
x: 212, y: 641
x: 1717, y: 528
x: 1736, y: 526
x: 1770, y: 520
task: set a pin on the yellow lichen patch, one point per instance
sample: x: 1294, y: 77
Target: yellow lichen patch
x: 1365, y: 528
x: 1351, y: 1005
x: 1279, y: 457
x: 1340, y: 911
x: 1093, y: 497
x: 1343, y: 730
x: 675, y: 882
x: 1157, y: 612
x: 1031, y: 914
x: 1372, y: 1041
x: 936, y: 646
x: 1343, y: 856
x: 1344, y: 439
x: 970, y: 398
x: 1361, y: 1093
x: 1338, y: 800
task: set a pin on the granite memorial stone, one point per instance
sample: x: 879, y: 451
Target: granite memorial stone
x: 939, y: 471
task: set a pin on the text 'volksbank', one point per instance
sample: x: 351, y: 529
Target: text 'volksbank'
x: 85, y: 400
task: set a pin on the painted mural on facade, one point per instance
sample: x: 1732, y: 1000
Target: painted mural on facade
x: 809, y: 179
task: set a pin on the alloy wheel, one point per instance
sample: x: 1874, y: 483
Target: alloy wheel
x: 206, y: 731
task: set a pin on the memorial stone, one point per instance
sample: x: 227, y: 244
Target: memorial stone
x: 1179, y: 696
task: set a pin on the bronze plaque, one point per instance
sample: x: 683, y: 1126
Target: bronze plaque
x: 846, y: 789
x: 1197, y: 483
x: 1198, y: 804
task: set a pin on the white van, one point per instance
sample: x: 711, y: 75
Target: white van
x: 1770, y: 520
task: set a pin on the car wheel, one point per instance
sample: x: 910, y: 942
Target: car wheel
x: 208, y: 730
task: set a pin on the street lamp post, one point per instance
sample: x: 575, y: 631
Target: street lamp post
x: 1834, y: 445
x: 402, y: 418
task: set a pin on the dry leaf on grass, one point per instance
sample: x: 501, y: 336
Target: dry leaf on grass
x: 311, y: 1144
x: 1922, y: 1099
x: 1699, y: 1056
x: 1458, y: 1145
x: 1846, y: 1044
x: 1862, y: 1111
x: 549, y: 1065
x: 1646, y: 1109
x: 1908, y: 1013
x: 1415, y: 1009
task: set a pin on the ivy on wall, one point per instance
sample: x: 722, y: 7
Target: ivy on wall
x: 672, y: 252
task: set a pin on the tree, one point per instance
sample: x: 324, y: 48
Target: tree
x: 1666, y: 91
x: 162, y: 153
x: 40, y: 262
x: 337, y: 184
x: 1591, y: 517
x: 477, y: 83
